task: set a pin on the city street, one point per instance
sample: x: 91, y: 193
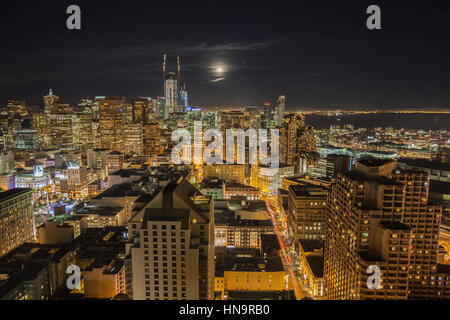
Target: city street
x: 289, y: 257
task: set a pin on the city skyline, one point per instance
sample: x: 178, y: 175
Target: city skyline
x: 320, y: 56
x: 224, y: 154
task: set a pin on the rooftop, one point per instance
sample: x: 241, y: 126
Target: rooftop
x: 119, y: 190
x: 422, y: 163
x: 9, y: 194
x: 308, y: 191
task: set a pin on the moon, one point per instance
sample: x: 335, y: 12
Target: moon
x: 219, y: 70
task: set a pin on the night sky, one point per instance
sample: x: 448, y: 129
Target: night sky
x: 319, y: 53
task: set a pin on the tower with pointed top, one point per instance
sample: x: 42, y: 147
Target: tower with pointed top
x: 172, y: 88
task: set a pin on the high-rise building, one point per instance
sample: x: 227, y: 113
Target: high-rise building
x: 269, y: 116
x: 82, y: 130
x: 17, y: 107
x: 141, y: 109
x: 327, y: 168
x: 77, y: 181
x: 379, y: 216
x: 280, y: 108
x: 152, y: 139
x: 133, y: 139
x: 184, y: 99
x: 307, y: 212
x: 172, y: 89
x: 297, y: 142
x: 112, y: 121
x: 97, y: 158
x: 115, y: 161
x: 16, y: 219
x: 171, y: 250
x: 49, y: 101
x: 61, y: 126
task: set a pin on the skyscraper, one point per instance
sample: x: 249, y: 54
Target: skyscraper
x: 280, y: 108
x: 172, y: 89
x: 170, y: 255
x: 379, y: 216
x: 16, y: 219
x: 111, y: 111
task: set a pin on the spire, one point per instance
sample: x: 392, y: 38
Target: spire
x: 179, y: 68
x: 164, y: 66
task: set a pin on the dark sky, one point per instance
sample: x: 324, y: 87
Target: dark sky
x: 319, y: 53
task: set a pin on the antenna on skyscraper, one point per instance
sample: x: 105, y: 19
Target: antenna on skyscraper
x: 179, y: 68
x: 164, y: 66
x: 178, y: 81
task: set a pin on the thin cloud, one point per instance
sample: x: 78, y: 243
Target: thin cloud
x: 217, y: 80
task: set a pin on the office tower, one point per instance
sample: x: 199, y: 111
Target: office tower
x: 17, y: 107
x: 307, y: 212
x: 327, y: 168
x: 115, y: 161
x: 171, y: 92
x: 172, y: 89
x: 161, y: 110
x: 97, y: 158
x: 77, y: 181
x: 16, y: 218
x: 6, y: 162
x: 141, y: 109
x: 86, y: 105
x: 184, y: 100
x: 127, y: 113
x: 269, y: 116
x: 82, y: 130
x: 297, y: 142
x: 111, y: 121
x: 170, y: 255
x: 61, y: 126
x: 96, y: 137
x: 378, y: 215
x: 49, y: 101
x: 133, y: 139
x: 280, y: 108
x: 41, y: 123
x: 152, y: 139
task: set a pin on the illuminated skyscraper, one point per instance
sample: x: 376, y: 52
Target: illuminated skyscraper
x: 170, y: 254
x: 280, y: 108
x: 175, y: 98
x: 49, y: 100
x: 184, y: 100
x: 141, y: 109
x: 171, y: 92
x: 379, y: 215
x: 112, y: 121
x: 16, y: 218
x: 61, y: 126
